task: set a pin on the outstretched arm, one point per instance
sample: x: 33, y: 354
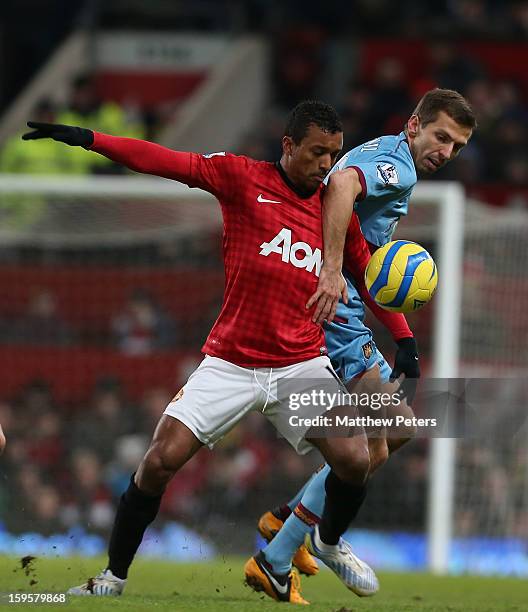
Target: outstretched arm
x: 344, y: 187
x: 138, y: 155
x: 145, y: 157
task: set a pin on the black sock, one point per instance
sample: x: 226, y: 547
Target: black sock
x: 134, y: 514
x: 342, y: 504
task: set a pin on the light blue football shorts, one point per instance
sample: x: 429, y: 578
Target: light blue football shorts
x: 349, y: 341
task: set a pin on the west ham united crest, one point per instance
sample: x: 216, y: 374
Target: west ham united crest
x: 367, y: 350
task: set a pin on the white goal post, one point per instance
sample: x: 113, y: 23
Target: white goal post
x: 446, y: 343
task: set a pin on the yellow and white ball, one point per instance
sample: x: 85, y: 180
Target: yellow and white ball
x: 401, y: 276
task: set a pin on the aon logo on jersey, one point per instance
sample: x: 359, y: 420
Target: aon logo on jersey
x: 300, y: 254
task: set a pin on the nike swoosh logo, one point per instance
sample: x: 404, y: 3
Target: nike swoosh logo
x: 281, y: 588
x: 262, y: 200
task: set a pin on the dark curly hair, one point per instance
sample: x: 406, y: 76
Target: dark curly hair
x: 312, y: 112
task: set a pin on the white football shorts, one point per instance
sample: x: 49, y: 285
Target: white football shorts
x: 218, y: 394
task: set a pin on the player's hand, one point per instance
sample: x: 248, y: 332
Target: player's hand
x: 406, y: 361
x: 2, y: 440
x: 70, y: 135
x: 332, y: 286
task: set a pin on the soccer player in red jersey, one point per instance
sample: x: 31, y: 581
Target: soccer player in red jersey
x: 264, y: 336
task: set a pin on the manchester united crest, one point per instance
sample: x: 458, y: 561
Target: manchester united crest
x: 178, y: 396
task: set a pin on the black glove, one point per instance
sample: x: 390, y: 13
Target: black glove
x: 74, y: 136
x: 406, y: 361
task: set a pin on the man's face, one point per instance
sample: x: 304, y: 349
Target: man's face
x: 308, y: 162
x: 437, y: 143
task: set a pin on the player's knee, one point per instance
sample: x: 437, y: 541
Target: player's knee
x: 159, y: 464
x: 352, y: 464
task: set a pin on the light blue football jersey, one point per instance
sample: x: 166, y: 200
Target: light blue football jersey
x: 390, y: 175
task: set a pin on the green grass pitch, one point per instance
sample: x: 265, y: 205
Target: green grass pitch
x: 218, y: 585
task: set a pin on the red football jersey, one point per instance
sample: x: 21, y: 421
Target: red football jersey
x: 272, y: 257
x: 272, y: 250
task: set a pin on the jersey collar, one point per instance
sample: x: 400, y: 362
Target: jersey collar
x: 403, y: 138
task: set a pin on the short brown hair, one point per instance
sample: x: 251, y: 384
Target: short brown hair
x: 450, y: 102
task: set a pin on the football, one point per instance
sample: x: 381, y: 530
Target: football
x: 401, y: 276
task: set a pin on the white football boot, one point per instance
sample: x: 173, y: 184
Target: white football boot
x: 355, y: 574
x: 104, y: 584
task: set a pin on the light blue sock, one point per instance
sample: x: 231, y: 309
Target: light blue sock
x: 279, y: 552
x: 295, y: 500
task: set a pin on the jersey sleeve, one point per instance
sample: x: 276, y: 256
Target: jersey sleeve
x: 145, y: 157
x: 382, y: 178
x: 355, y: 259
x: 218, y: 173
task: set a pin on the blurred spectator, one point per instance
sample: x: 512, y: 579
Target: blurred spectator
x: 91, y: 500
x: 298, y: 64
x: 103, y: 420
x: 471, y: 16
x: 87, y: 109
x: 518, y: 13
x: 183, y: 499
x: 129, y: 450
x: 45, y: 441
x: 143, y: 326
x: 35, y: 398
x: 389, y: 101
x: 22, y: 483
x: 40, y: 325
x: 450, y: 68
x: 152, y: 406
x: 47, y: 157
x: 46, y: 510
x: 354, y: 112
x: 22, y: 211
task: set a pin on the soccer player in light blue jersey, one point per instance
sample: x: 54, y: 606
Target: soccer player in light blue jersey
x: 386, y: 169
